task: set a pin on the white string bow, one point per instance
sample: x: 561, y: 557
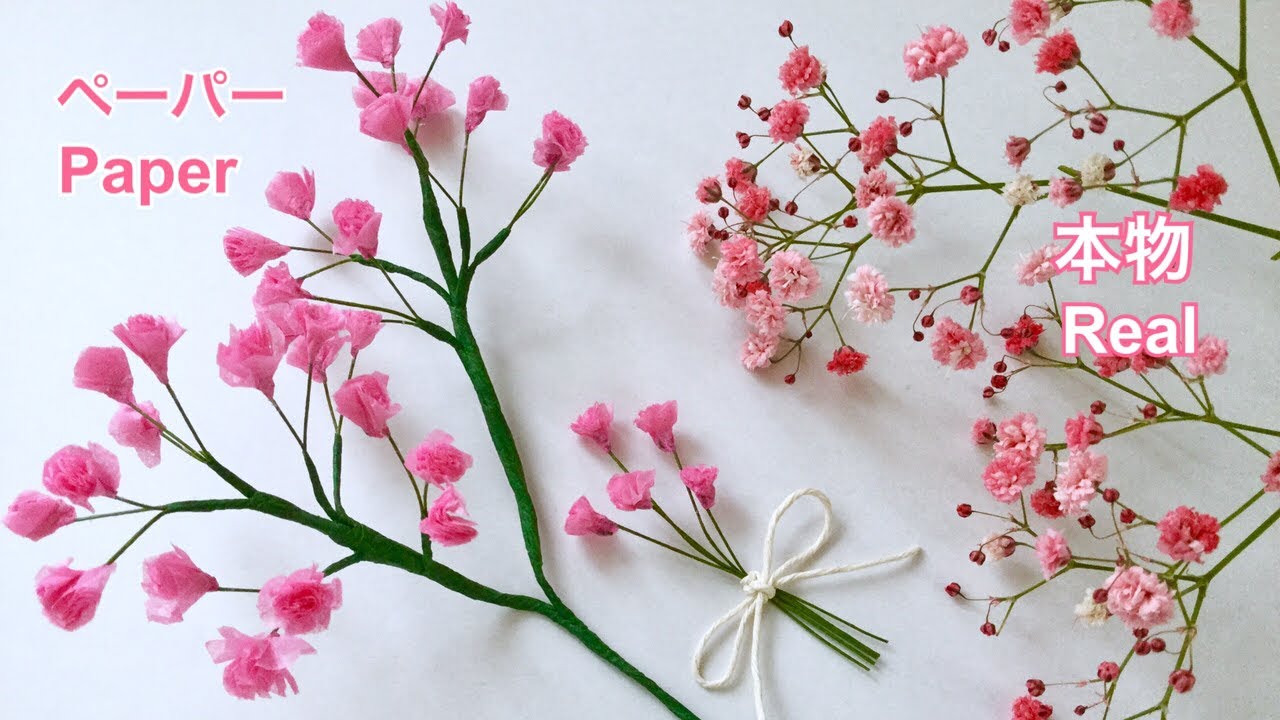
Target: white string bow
x: 760, y: 587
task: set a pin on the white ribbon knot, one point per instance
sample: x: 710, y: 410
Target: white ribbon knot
x: 761, y: 586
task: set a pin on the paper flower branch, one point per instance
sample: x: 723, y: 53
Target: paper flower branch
x: 308, y: 330
x: 631, y: 491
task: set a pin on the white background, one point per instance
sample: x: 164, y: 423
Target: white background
x: 595, y: 297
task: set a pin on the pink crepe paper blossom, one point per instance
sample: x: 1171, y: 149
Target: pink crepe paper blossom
x: 1201, y: 191
x: 1271, y: 475
x: 247, y: 251
x: 173, y: 584
x: 1037, y: 266
x: 150, y: 338
x: 1016, y: 150
x: 364, y: 401
x: 379, y: 42
x: 955, y: 347
x: 35, y: 516
x: 801, y: 72
x: 868, y: 295
x: 584, y: 520
x: 738, y: 171
x: 323, y: 45
x: 132, y: 430
x: 1021, y: 434
x: 358, y: 225
x: 632, y: 491
x: 595, y: 425
x: 1052, y: 551
x: 698, y: 231
x: 362, y: 327
x: 1210, y: 357
x: 561, y: 143
x: 105, y: 370
x: 292, y: 193
x: 453, y: 24
x: 754, y: 201
x: 740, y: 259
x: 259, y: 664
x: 1187, y: 535
x: 434, y: 98
x: 658, y: 421
x: 983, y: 431
x: 445, y: 523
x: 437, y: 461
x: 301, y: 602
x: 1082, y: 431
x: 251, y: 356
x: 318, y: 341
x: 277, y: 287
x: 787, y: 119
x: 79, y: 473
x: 878, y: 141
x: 1173, y: 19
x: 1029, y: 19
x: 701, y: 481
x: 484, y: 95
x: 846, y: 361
x: 70, y: 597
x: 792, y: 276
x: 1029, y: 708
x: 937, y: 51
x: 1078, y: 483
x: 386, y: 118
x: 1065, y: 191
x: 892, y: 221
x: 1139, y: 598
x: 1044, y: 504
x: 874, y: 185
x: 765, y: 314
x: 1058, y: 54
x: 757, y: 352
x: 1007, y: 475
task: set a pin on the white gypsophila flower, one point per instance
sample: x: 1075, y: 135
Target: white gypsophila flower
x: 1022, y: 191
x: 805, y: 162
x: 1094, y: 170
x: 1059, y: 10
x: 1090, y: 613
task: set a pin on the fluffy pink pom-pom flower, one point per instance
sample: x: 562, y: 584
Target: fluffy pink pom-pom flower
x: 584, y: 520
x: 595, y: 425
x: 658, y: 421
x: 698, y: 231
x: 868, y: 295
x: 1052, y: 551
x: 1187, y: 535
x: 1029, y: 708
x: 301, y: 602
x: 437, y: 461
x: 1082, y: 431
x: 70, y: 597
x: 1138, y: 597
x: 362, y: 328
x: 150, y: 338
x: 892, y: 221
x: 1058, y: 54
x: 364, y: 401
x: 757, y: 352
x: 792, y: 276
x: 561, y: 143
x: 1173, y: 19
x: 765, y: 314
x: 251, y: 356
x: 358, y: 225
x: 247, y: 251
x: 293, y: 193
x: 133, y: 430
x: 1271, y: 475
x: 1200, y: 191
x: 79, y: 473
x: 632, y: 491
x: 701, y: 481
x: 318, y: 327
x: 379, y: 42
x: 483, y: 96
x: 1007, y: 475
x: 1037, y: 266
x: 1078, y: 483
x: 453, y: 23
x: 105, y: 370
x: 955, y: 347
x: 801, y: 72
x: 386, y: 118
x: 35, y: 516
x: 937, y: 51
x: 1021, y: 434
x: 787, y: 119
x: 1210, y: 357
x: 874, y: 185
x: 1016, y: 150
x: 846, y: 361
x: 740, y: 259
x: 1028, y: 19
x: 445, y: 523
x: 878, y: 141
x: 258, y: 664
x: 323, y: 45
x: 173, y: 584
x: 754, y: 201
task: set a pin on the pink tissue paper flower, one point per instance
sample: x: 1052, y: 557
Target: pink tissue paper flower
x: 595, y: 425
x: 801, y: 72
x: 318, y: 327
x: 955, y: 347
x: 1078, y: 483
x: 1200, y: 191
x: 453, y: 24
x: 483, y: 96
x: 437, y: 461
x: 792, y: 276
x: 105, y: 370
x: 892, y: 221
x: 632, y: 490
x: 937, y: 51
x: 292, y: 193
x: 362, y: 328
x: 301, y: 602
x: 1082, y: 431
x: 584, y: 520
x: 364, y: 401
x: 878, y: 141
x: 868, y: 295
x: 70, y: 597
x: 874, y: 185
x: 358, y: 225
x: 251, y: 356
x: 247, y: 251
x: 445, y: 524
x: 379, y: 42
x: 79, y: 473
x: 35, y: 516
x: 150, y: 337
x: 701, y: 481
x: 277, y: 287
x: 323, y: 45
x: 1021, y: 434
x: 173, y: 584
x: 1187, y: 535
x: 386, y: 118
x: 1058, y: 54
x: 561, y: 143
x: 1029, y: 19
x: 1007, y: 475
x: 787, y: 119
x: 658, y: 421
x: 1138, y: 597
x: 1052, y: 551
x: 259, y: 664
x: 132, y: 429
x: 1271, y: 475
x: 434, y: 98
x: 1173, y: 19
x: 1210, y: 357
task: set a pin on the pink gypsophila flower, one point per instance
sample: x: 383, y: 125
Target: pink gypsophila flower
x: 1271, y: 475
x: 247, y: 251
x: 892, y: 221
x: 1065, y: 191
x: 595, y: 425
x: 484, y: 95
x: 787, y: 119
x: 701, y: 481
x: 105, y: 370
x: 801, y: 72
x: 379, y: 42
x: 1037, y: 266
x: 792, y: 276
x: 1109, y: 365
x: 1029, y: 708
x: 1007, y: 475
x: 454, y: 24
x: 1024, y: 335
x: 364, y: 401
x: 292, y: 193
x: 983, y: 431
x: 1028, y: 19
x: 874, y: 185
x: 659, y: 421
x: 1201, y: 191
x: 757, y: 351
x: 708, y: 191
x: 738, y: 171
x: 1138, y: 597
x: 1173, y: 19
x: 446, y: 522
x: 1052, y: 551
x: 259, y: 664
x: 301, y: 602
x: 846, y: 361
x: 79, y: 473
x: 437, y: 461
x: 70, y: 597
x: 937, y: 51
x: 1058, y: 53
x: 868, y: 295
x: 754, y: 201
x: 765, y: 314
x: 1016, y: 150
x: 878, y: 141
x: 1044, y: 504
x: 584, y: 520
x: 1082, y: 431
x: 955, y: 347
x: 139, y: 431
x: 173, y: 584
x: 1187, y: 535
x: 632, y: 491
x: 698, y: 231
x: 1210, y: 357
x: 1021, y: 434
x: 323, y: 45
x: 251, y: 357
x: 1078, y: 483
x: 358, y: 224
x: 740, y: 259
x: 35, y: 516
x: 561, y: 143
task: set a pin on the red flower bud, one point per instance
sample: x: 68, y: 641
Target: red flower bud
x: 988, y: 629
x: 1097, y: 407
x: 953, y: 589
x: 1182, y: 680
x: 744, y: 102
x: 785, y: 28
